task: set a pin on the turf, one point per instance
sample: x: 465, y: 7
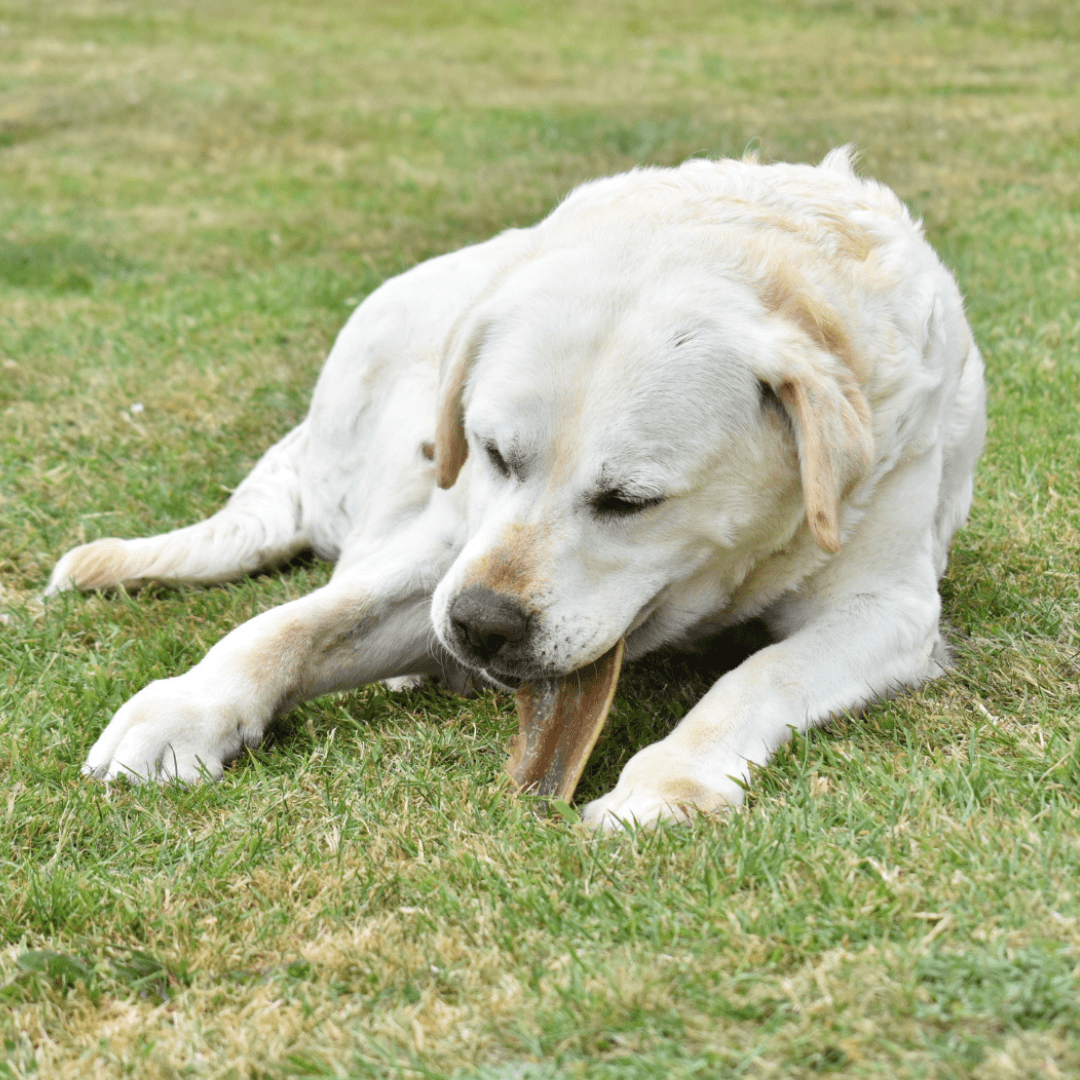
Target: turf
x: 194, y: 195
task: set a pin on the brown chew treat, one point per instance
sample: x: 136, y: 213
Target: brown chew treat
x: 559, y: 723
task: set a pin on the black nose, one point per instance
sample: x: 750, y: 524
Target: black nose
x: 484, y: 620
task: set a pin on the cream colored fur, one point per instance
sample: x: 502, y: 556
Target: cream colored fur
x: 688, y: 397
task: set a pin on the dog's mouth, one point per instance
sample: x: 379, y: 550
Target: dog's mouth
x: 515, y: 674
x: 560, y: 713
x: 560, y: 718
x: 559, y: 721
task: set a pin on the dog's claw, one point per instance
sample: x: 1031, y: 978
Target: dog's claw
x: 559, y: 723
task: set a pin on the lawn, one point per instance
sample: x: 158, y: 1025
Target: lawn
x: 193, y: 196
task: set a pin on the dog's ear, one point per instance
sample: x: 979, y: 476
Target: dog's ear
x: 831, y: 418
x: 451, y: 449
x: 463, y: 345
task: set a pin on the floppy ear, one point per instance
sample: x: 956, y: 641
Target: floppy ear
x: 831, y: 418
x: 451, y: 449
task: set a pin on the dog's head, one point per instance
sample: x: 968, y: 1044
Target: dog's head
x: 639, y: 420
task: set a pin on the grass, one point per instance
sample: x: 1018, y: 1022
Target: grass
x: 194, y: 195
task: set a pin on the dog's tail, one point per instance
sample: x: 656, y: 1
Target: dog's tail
x: 261, y: 525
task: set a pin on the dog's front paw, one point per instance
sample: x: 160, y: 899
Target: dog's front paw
x: 658, y: 785
x: 166, y: 733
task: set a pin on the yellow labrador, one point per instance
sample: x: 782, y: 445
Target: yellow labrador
x: 688, y: 397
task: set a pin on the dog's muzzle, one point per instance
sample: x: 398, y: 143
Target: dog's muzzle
x: 559, y: 717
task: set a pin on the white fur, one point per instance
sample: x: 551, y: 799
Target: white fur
x: 619, y: 347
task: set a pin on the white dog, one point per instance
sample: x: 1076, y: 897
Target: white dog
x: 687, y: 398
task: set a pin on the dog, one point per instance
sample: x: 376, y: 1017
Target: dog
x: 687, y: 398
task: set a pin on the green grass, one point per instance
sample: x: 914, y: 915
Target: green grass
x: 193, y: 197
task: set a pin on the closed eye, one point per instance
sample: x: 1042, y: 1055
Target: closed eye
x: 498, y: 462
x: 616, y: 503
x: 769, y: 400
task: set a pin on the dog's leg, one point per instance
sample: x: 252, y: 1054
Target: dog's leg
x: 865, y: 627
x: 861, y: 649
x: 258, y: 527
x: 371, y: 622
